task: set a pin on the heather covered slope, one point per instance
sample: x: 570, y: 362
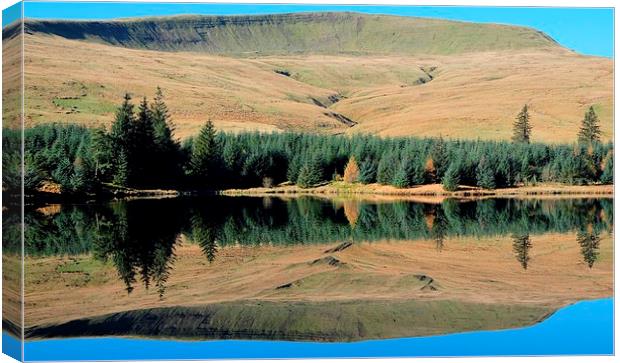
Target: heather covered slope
x: 464, y: 87
x: 328, y: 33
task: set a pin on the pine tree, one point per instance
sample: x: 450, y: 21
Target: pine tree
x: 310, y: 173
x: 409, y: 173
x: 521, y: 246
x: 590, y: 131
x: 144, y: 163
x: 121, y: 175
x: 522, y: 129
x: 162, y: 123
x: 122, y: 128
x: 385, y: 169
x: 166, y: 147
x: 351, y: 171
x: 608, y: 171
x: 485, y: 178
x: 294, y: 167
x: 451, y: 178
x: 368, y: 171
x: 102, y: 154
x: 122, y: 136
x: 440, y: 158
x: 83, y: 178
x: 204, y: 154
x: 63, y: 174
x: 33, y: 175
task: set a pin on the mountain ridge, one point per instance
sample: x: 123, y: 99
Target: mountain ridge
x: 295, y: 33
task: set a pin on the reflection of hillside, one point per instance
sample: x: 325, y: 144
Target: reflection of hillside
x: 314, y: 321
x: 468, y: 269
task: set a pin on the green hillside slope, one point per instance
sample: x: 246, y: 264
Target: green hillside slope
x: 329, y: 33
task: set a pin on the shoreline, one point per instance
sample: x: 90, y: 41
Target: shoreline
x: 430, y: 191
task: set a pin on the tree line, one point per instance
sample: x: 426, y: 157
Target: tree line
x: 140, y: 151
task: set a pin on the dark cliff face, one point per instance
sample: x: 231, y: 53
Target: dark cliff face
x: 294, y: 33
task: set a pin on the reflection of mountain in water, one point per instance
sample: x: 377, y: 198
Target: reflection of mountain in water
x: 321, y: 321
x: 139, y: 236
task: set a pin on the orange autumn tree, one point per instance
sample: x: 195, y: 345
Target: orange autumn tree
x: 352, y: 171
x: 430, y: 172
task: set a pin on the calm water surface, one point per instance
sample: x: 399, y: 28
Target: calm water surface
x: 140, y: 239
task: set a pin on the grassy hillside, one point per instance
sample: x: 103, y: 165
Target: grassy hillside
x: 322, y: 72
x: 329, y: 33
x: 475, y: 95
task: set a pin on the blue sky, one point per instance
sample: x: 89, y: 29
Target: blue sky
x: 585, y: 30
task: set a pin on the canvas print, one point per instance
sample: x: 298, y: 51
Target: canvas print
x: 215, y: 181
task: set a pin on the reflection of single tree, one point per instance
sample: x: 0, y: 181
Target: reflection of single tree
x: 521, y: 246
x: 352, y: 211
x: 162, y: 265
x: 205, y: 235
x: 439, y: 228
x: 589, y: 241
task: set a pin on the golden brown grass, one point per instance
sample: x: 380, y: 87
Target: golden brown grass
x: 12, y: 288
x: 481, y: 270
x: 475, y: 95
x: 429, y: 192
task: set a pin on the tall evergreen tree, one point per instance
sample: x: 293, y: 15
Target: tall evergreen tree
x: 409, y: 173
x: 103, y: 154
x: 162, y: 122
x: 122, y: 136
x: 205, y: 151
x: 485, y: 177
x: 522, y: 129
x: 368, y: 171
x: 83, y: 177
x: 608, y: 171
x: 310, y: 173
x: 122, y: 128
x: 167, y: 148
x: 386, y: 168
x: 451, y: 178
x: 63, y: 174
x: 440, y: 157
x: 144, y: 161
x: 590, y: 131
x: 121, y: 171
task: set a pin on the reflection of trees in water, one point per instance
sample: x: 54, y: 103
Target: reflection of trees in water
x: 521, y: 245
x: 589, y: 240
x: 351, y: 211
x: 138, y: 237
x: 139, y: 242
x: 204, y: 234
x: 438, y: 227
